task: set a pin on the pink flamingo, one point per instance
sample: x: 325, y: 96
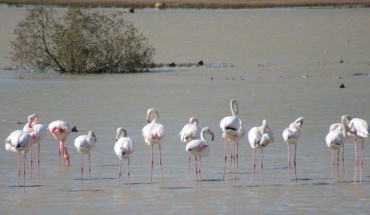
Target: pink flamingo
x: 123, y: 148
x: 338, y: 133
x: 154, y: 133
x: 60, y: 130
x: 259, y: 138
x: 232, y: 128
x: 84, y: 144
x: 189, y: 132
x: 19, y: 141
x: 37, y: 130
x: 291, y: 136
x: 359, y: 129
x: 199, y: 148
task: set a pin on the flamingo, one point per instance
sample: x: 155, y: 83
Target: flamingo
x: 291, y: 136
x: 37, y: 130
x: 230, y: 126
x: 84, y: 144
x: 189, y: 132
x: 19, y: 141
x: 359, y: 129
x: 123, y: 148
x: 259, y: 138
x: 60, y: 130
x: 154, y: 133
x: 199, y: 148
x: 338, y: 133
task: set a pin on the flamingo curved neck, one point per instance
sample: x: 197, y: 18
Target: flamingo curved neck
x: 233, y: 107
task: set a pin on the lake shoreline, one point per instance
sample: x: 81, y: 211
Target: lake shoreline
x: 206, y: 4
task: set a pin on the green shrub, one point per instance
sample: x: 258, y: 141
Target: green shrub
x: 79, y: 41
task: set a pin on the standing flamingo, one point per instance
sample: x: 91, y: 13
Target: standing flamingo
x: 230, y: 126
x: 259, y: 138
x: 37, y: 130
x: 359, y: 129
x: 84, y: 144
x: 291, y: 136
x: 123, y: 148
x: 19, y: 141
x: 60, y: 130
x: 189, y: 132
x: 199, y: 148
x: 154, y: 133
x: 338, y: 133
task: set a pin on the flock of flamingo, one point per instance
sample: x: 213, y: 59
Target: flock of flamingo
x: 259, y: 137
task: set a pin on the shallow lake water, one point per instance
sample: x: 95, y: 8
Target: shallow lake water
x: 279, y: 64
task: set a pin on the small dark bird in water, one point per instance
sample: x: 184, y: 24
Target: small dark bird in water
x: 342, y: 86
x: 172, y: 64
x: 74, y: 129
x: 200, y: 63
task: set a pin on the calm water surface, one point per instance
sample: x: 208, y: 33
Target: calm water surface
x: 279, y: 64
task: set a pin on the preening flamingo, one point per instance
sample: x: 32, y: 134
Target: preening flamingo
x: 37, y: 130
x: 84, y: 144
x: 259, y: 138
x: 60, y: 130
x: 359, y: 129
x: 338, y: 133
x: 230, y: 126
x: 199, y: 148
x: 123, y: 148
x: 189, y: 132
x: 291, y: 136
x: 19, y: 141
x: 154, y: 133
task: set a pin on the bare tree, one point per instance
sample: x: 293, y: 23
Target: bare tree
x: 79, y: 41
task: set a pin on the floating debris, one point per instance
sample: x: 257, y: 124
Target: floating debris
x: 342, y: 86
x: 172, y: 64
x: 200, y: 63
x: 74, y: 129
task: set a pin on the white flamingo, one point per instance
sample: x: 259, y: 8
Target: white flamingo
x: 338, y: 133
x: 37, y: 130
x: 84, y: 144
x: 123, y: 148
x: 189, y: 132
x: 60, y: 130
x: 19, y: 141
x: 259, y: 138
x: 154, y: 133
x: 199, y: 148
x: 230, y: 126
x: 359, y: 129
x: 291, y: 136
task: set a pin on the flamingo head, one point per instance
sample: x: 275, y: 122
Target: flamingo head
x: 149, y: 114
x: 33, y: 118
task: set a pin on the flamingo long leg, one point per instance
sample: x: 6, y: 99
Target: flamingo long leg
x: 295, y: 162
x: 119, y: 172
x: 338, y: 152
x: 237, y: 154
x: 31, y: 162
x: 82, y: 167
x: 189, y: 162
x: 343, y: 159
x: 199, y: 171
x: 24, y: 172
x: 151, y: 172
x: 354, y: 178
x: 254, y: 164
x: 261, y: 162
x: 332, y: 163
x: 128, y: 172
x: 196, y: 169
x: 160, y: 160
x: 288, y: 162
x: 362, y: 160
x: 38, y: 160
x: 223, y: 178
x: 19, y: 170
x: 89, y: 170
